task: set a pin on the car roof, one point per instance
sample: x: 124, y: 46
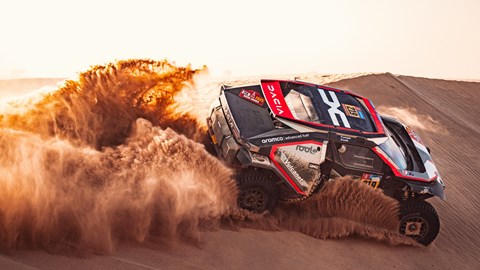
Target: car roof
x: 343, y: 111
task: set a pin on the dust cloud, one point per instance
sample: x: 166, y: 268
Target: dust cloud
x: 344, y: 207
x: 411, y: 117
x: 112, y: 157
x: 58, y: 196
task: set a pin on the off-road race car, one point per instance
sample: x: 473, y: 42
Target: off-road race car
x: 287, y: 138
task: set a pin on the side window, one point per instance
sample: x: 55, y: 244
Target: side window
x: 359, y: 158
x: 301, y: 107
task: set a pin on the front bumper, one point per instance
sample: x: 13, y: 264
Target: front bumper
x: 221, y: 135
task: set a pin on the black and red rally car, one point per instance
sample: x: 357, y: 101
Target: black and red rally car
x: 286, y: 138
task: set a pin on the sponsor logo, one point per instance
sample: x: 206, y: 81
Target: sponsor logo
x: 229, y: 119
x: 334, y: 111
x: 311, y: 150
x: 276, y: 101
x: 252, y: 96
x: 270, y: 140
x: 353, y: 111
x: 287, y: 138
x: 292, y: 170
x: 300, y: 136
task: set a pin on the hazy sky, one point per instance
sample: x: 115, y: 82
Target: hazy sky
x: 434, y: 38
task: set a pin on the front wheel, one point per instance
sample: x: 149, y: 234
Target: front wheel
x: 419, y: 220
x: 258, y: 192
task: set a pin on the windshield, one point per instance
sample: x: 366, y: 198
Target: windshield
x: 392, y: 148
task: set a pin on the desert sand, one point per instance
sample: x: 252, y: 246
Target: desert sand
x: 447, y: 116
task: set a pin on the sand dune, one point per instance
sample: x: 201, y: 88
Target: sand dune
x: 447, y: 116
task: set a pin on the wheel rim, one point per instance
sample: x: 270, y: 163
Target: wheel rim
x: 415, y: 227
x: 253, y: 200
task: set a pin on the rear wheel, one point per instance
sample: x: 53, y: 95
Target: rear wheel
x: 258, y: 192
x: 419, y: 220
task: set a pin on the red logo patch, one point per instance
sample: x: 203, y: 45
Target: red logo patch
x: 252, y: 96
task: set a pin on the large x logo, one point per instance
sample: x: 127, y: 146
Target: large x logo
x: 334, y: 111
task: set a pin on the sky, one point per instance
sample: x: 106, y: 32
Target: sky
x: 429, y: 38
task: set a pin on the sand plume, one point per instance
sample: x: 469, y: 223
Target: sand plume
x: 411, y: 117
x: 111, y: 157
x: 99, y: 108
x: 344, y: 207
x: 55, y: 195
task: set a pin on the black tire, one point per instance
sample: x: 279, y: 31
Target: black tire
x: 257, y: 190
x: 419, y: 220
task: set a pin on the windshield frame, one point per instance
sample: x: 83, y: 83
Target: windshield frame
x: 395, y: 151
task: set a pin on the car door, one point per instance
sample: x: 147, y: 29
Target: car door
x: 358, y: 161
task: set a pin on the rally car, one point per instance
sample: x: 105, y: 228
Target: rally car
x: 287, y: 138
